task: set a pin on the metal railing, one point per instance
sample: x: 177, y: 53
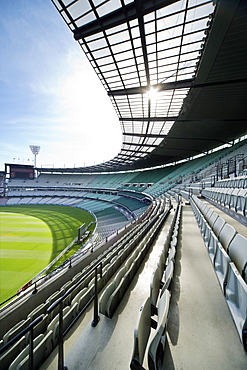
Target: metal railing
x: 61, y: 333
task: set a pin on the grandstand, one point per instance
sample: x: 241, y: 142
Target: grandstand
x: 162, y: 283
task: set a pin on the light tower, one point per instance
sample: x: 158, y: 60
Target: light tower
x: 35, y: 150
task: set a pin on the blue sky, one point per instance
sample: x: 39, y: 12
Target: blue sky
x: 49, y: 94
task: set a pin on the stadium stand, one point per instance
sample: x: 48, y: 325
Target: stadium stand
x: 121, y: 265
x: 163, y: 282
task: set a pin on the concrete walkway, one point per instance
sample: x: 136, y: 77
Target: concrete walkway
x: 201, y: 332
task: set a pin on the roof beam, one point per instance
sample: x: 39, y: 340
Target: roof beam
x: 182, y: 84
x: 144, y: 135
x: 119, y: 16
x: 151, y: 119
x: 140, y: 145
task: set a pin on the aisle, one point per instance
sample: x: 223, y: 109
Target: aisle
x: 201, y: 332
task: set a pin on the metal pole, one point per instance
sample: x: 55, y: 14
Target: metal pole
x: 96, y: 317
x: 31, y: 349
x: 60, y: 339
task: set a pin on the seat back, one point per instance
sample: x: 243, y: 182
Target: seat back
x: 24, y: 354
x: 162, y: 260
x: 15, y: 330
x: 219, y: 223
x: 37, y: 311
x: 141, y: 334
x: 237, y: 251
x: 221, y: 264
x: 236, y: 298
x: 212, y: 219
x: 153, y: 353
x: 167, y: 277
x: 171, y: 254
x: 208, y: 214
x: 155, y: 285
x: 119, y: 275
x: 105, y: 297
x: 7, y: 357
x: 226, y: 235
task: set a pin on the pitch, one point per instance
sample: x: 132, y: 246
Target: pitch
x: 30, y: 238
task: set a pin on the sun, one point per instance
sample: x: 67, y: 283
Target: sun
x: 152, y: 94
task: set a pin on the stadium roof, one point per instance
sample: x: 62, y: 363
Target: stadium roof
x: 175, y: 71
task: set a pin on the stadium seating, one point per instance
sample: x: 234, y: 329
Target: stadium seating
x: 157, y: 303
x: 229, y: 197
x: 113, y: 293
x: 236, y: 298
x: 228, y: 252
x: 42, y: 349
x: 120, y: 263
x: 79, y: 291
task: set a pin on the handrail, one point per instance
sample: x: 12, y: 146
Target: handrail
x: 29, y: 328
x: 58, y: 302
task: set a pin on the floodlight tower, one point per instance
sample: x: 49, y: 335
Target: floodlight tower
x: 35, y: 150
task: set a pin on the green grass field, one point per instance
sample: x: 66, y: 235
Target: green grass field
x: 31, y: 236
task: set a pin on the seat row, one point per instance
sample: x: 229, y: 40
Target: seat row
x: 227, y: 250
x: 234, y: 199
x: 150, y: 329
x: 235, y: 182
x: 114, y: 292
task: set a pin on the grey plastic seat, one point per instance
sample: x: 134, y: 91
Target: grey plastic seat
x: 37, y: 311
x: 241, y: 202
x: 84, y: 299
x: 53, y: 325
x: 50, y: 300
x: 156, y: 347
x: 42, y: 351
x: 119, y: 275
x: 104, y: 298
x: 209, y: 227
x: 167, y: 276
x: 25, y: 352
x: 15, y: 330
x: 141, y: 334
x: 212, y: 219
x: 7, y: 357
x: 171, y: 254
x: 228, y: 193
x: 78, y: 296
x: 236, y: 298
x: 212, y: 246
x: 162, y: 261
x: 41, y: 327
x: 221, y: 264
x: 155, y: 285
x: 226, y: 235
x: 69, y: 314
x: 237, y: 251
x: 218, y: 225
x: 233, y: 199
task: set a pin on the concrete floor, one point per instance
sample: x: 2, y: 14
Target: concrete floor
x: 200, y: 334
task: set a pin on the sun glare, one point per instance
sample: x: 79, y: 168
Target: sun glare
x: 152, y: 94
